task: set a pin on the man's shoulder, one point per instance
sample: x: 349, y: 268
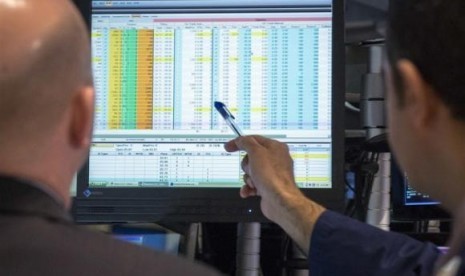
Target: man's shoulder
x: 71, y: 250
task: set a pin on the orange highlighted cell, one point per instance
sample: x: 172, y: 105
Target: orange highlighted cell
x: 144, y: 79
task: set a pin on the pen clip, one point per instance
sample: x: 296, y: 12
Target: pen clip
x: 229, y: 113
x: 228, y: 117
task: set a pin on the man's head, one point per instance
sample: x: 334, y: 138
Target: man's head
x: 425, y: 76
x: 46, y: 95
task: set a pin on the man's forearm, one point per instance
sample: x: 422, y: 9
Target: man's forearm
x: 297, y: 215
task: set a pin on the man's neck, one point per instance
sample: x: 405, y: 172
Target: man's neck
x: 51, y: 186
x: 48, y: 162
x: 452, y: 169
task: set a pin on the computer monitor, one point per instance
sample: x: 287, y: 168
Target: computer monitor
x: 410, y: 204
x: 157, y: 151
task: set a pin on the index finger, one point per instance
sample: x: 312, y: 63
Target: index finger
x: 246, y: 143
x: 266, y: 142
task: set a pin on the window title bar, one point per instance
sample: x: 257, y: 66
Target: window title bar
x: 209, y: 3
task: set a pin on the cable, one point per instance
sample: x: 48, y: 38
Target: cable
x: 351, y: 107
x: 348, y: 185
x: 365, y: 168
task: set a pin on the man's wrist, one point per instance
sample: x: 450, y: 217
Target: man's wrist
x: 297, y: 215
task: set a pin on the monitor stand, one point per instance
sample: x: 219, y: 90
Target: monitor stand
x: 248, y: 249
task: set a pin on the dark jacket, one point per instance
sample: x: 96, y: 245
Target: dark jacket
x: 343, y: 246
x: 38, y: 237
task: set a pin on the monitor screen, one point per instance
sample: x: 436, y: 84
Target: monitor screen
x: 410, y: 204
x: 159, y: 66
x: 413, y: 197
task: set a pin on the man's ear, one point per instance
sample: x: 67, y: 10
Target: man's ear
x: 82, y: 118
x: 420, y: 100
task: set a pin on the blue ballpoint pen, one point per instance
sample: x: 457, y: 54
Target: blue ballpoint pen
x: 228, y: 117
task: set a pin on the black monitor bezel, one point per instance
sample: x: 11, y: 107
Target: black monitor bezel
x: 212, y: 204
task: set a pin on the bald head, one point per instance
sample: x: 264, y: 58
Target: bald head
x: 44, y: 61
x: 46, y: 94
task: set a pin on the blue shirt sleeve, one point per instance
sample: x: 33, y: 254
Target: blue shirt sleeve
x: 344, y: 246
